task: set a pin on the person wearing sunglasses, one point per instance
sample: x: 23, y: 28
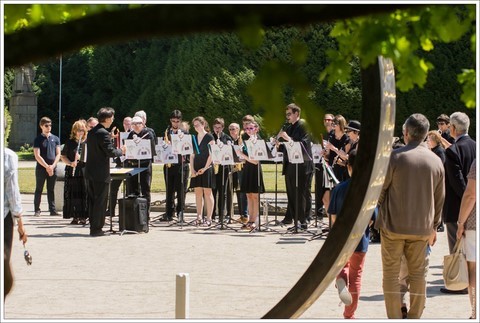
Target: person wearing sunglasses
x: 46, y: 149
x: 173, y: 172
x: 443, y: 124
x: 297, y: 180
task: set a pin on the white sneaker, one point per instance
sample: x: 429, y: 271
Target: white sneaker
x: 343, y: 292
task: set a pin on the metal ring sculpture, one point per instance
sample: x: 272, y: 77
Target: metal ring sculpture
x: 378, y: 116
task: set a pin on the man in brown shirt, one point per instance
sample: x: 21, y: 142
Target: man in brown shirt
x: 411, y: 204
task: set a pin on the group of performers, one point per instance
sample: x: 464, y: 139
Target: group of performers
x: 214, y: 184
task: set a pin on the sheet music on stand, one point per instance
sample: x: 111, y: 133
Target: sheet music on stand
x: 317, y: 151
x: 294, y: 151
x: 222, y: 154
x: 138, y: 149
x: 257, y: 150
x: 164, y: 154
x: 182, y: 144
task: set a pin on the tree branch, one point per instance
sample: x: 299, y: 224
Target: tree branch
x: 45, y: 41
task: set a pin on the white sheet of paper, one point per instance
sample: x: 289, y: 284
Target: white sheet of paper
x: 257, y: 150
x: 138, y: 149
x: 164, y: 154
x: 222, y: 154
x: 317, y: 153
x: 182, y: 144
x: 294, y: 151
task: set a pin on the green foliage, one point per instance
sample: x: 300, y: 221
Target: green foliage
x: 401, y: 36
x: 18, y: 16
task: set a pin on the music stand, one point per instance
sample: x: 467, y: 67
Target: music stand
x: 295, y: 156
x: 225, y: 162
x: 122, y: 174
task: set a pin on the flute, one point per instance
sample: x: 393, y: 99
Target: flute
x: 75, y: 158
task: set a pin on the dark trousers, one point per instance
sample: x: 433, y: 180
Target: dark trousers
x: 319, y: 190
x: 173, y: 183
x: 296, y: 184
x: 145, y: 183
x: 97, y: 204
x: 41, y: 176
x: 222, y: 186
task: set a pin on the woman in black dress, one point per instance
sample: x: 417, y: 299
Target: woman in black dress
x: 202, y: 179
x: 250, y: 182
x: 75, y: 195
x: 337, y: 141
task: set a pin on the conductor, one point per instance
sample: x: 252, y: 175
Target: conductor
x: 97, y: 169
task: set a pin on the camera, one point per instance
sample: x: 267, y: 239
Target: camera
x: 28, y: 257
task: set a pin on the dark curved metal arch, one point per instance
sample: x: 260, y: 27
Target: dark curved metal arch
x: 378, y: 117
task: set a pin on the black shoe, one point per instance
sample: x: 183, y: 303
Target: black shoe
x: 303, y: 226
x: 440, y: 228
x: 404, y: 312
x: 458, y: 292
x: 54, y: 213
x: 99, y: 233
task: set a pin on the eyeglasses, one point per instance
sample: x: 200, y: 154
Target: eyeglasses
x: 48, y: 125
x: 250, y: 128
x: 329, y: 120
x: 333, y: 124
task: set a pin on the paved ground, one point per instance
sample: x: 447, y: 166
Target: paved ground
x: 233, y: 275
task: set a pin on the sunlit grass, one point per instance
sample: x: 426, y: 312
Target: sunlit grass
x: 26, y: 179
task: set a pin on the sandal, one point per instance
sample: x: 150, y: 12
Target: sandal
x: 74, y: 221
x: 198, y: 221
x: 82, y: 221
x: 207, y: 223
x: 251, y: 225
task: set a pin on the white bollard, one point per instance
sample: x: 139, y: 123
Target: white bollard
x: 182, y: 296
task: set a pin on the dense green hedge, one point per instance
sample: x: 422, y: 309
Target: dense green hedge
x: 210, y: 75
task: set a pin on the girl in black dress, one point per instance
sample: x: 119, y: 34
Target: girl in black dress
x: 250, y: 182
x: 202, y: 179
x: 337, y: 141
x: 75, y: 195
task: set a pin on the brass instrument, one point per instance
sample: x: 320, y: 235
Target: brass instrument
x: 239, y: 166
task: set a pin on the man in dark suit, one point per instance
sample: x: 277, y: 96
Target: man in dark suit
x: 97, y: 169
x: 297, y: 132
x: 459, y: 157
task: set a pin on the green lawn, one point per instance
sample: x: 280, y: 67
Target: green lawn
x: 26, y: 178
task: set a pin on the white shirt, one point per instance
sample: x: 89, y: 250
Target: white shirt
x: 12, y: 197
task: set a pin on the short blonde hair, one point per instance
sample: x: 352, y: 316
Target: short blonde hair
x: 79, y: 125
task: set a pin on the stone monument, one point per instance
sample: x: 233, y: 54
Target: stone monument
x: 23, y: 108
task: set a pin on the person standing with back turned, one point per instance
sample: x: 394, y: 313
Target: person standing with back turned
x: 410, y: 210
x: 97, y: 169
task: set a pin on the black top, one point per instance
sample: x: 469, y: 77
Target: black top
x: 99, y: 151
x: 298, y: 132
x: 47, y: 146
x: 70, y: 149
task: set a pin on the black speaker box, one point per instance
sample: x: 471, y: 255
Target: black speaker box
x: 133, y: 213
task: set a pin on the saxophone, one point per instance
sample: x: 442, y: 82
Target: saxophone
x: 167, y: 141
x: 239, y: 166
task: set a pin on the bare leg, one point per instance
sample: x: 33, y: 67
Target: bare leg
x: 209, y: 202
x: 199, y: 202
